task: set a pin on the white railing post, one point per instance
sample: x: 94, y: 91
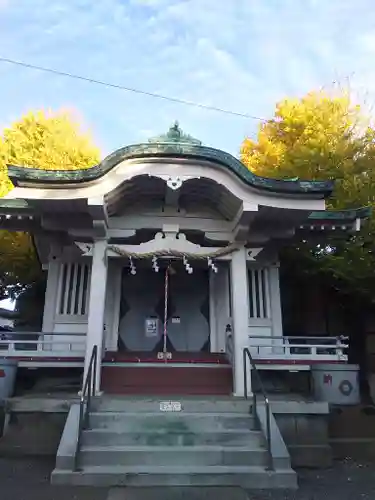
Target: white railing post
x: 339, y: 350
x: 287, y: 352
x: 12, y: 347
x: 40, y: 343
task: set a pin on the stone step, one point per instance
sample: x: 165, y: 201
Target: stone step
x: 176, y: 421
x: 178, y: 493
x: 254, y: 477
x: 172, y: 456
x: 190, y: 405
x: 165, y: 437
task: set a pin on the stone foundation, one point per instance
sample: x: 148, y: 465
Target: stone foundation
x: 33, y: 426
x: 32, y: 434
x: 304, y: 428
x: 352, y: 432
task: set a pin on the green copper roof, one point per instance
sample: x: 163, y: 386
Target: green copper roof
x: 348, y: 215
x: 14, y: 203
x: 173, y: 144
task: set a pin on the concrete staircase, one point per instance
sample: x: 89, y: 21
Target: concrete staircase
x: 131, y: 442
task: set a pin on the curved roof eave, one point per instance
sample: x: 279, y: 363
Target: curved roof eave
x: 19, y: 175
x: 343, y: 215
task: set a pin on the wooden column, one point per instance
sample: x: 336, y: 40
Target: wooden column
x: 95, y: 326
x: 240, y: 318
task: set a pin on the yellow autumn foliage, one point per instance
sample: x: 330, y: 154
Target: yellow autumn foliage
x: 325, y: 136
x: 48, y: 141
x: 316, y: 137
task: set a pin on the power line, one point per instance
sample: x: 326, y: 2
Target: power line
x: 130, y: 89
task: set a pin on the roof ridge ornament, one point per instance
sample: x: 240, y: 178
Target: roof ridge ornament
x: 175, y: 135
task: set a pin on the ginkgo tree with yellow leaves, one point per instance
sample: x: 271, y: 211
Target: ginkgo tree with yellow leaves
x: 324, y: 136
x: 45, y: 140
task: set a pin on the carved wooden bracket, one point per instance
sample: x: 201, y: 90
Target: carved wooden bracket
x: 252, y: 253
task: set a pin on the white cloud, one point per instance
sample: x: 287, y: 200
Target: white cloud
x: 242, y: 55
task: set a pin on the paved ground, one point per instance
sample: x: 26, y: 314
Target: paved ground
x: 28, y: 479
x: 346, y: 481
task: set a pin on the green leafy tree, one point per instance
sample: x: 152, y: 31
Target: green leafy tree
x: 318, y: 137
x: 45, y: 140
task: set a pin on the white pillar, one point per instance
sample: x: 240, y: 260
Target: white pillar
x: 240, y: 318
x: 95, y: 324
x: 276, y: 314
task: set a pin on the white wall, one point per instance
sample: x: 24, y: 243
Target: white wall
x: 264, y: 306
x: 265, y: 309
x: 65, y: 308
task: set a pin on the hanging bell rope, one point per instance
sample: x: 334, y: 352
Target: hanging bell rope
x: 166, y: 283
x: 165, y: 355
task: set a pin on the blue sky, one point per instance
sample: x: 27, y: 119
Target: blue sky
x: 241, y: 55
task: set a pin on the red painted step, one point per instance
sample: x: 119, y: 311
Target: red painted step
x: 167, y: 380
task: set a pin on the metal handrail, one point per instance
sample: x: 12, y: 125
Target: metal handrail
x: 247, y: 356
x: 88, y: 392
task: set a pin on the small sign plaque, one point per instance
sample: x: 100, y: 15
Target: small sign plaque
x: 151, y: 327
x: 164, y: 355
x: 170, y: 406
x: 176, y: 320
